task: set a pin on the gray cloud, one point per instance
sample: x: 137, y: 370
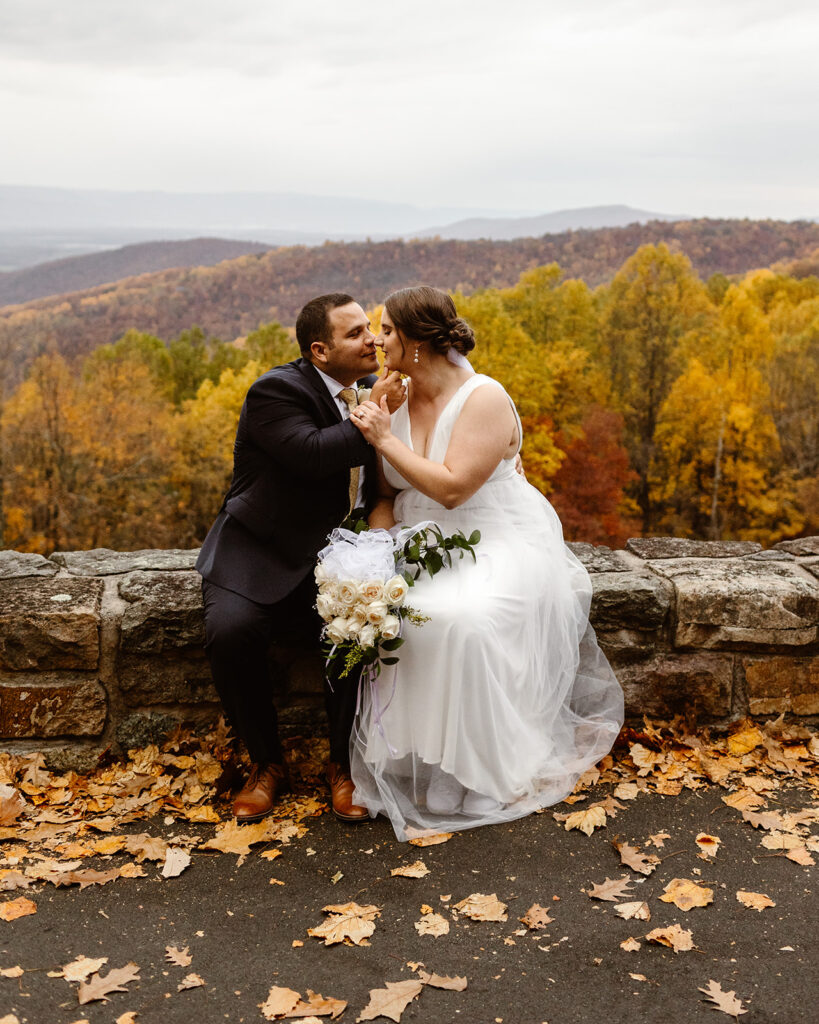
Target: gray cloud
x: 699, y: 107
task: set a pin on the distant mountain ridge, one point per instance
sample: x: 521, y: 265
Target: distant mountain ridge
x: 585, y: 217
x: 76, y: 273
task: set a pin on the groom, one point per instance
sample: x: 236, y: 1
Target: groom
x: 299, y: 467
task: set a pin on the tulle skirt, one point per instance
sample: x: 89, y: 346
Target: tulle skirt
x: 503, y: 698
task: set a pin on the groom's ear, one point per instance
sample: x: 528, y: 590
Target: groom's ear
x: 318, y: 353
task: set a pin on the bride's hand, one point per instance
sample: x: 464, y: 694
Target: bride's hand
x: 373, y: 421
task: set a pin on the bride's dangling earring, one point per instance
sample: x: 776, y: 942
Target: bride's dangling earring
x: 415, y: 358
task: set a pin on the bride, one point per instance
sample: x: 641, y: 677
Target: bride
x: 503, y: 698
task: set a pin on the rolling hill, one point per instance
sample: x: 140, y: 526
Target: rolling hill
x: 233, y: 297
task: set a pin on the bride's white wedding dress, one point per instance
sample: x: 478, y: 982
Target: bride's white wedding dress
x: 503, y: 698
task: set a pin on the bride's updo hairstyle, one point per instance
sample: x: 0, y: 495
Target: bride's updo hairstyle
x: 425, y: 314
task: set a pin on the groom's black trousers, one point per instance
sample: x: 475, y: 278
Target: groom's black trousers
x: 238, y: 634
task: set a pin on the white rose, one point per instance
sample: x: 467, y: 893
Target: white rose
x: 326, y: 607
x: 347, y: 593
x: 329, y: 588
x: 338, y: 630
x: 377, y: 612
x: 390, y: 627
x: 358, y: 616
x: 395, y: 591
x: 372, y: 590
x: 367, y: 636
x: 321, y: 574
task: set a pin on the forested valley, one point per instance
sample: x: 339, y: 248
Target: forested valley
x: 654, y: 403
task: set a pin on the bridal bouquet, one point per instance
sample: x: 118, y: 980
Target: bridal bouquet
x: 363, y: 581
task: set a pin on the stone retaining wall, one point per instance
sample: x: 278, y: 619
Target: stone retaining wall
x: 103, y: 649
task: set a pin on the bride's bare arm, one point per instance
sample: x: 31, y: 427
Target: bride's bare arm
x: 480, y: 438
x: 381, y: 515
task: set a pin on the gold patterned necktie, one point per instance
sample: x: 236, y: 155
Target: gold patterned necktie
x: 350, y: 398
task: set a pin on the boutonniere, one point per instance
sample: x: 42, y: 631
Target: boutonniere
x: 364, y: 394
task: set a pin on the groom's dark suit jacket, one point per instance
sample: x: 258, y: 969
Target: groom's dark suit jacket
x: 291, y: 472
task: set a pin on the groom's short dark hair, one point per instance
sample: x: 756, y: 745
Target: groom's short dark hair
x: 313, y: 323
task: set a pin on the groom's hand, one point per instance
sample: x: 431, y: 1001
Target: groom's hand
x: 389, y: 386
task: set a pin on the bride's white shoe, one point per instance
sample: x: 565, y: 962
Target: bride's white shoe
x: 477, y: 803
x: 444, y: 794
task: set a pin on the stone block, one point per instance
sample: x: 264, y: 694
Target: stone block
x: 49, y: 624
x: 623, y: 646
x: 16, y: 565
x: 782, y: 684
x: 105, y: 562
x: 177, y: 677
x: 46, y: 705
x: 629, y: 600
x: 682, y: 547
x: 598, y: 558
x: 697, y: 685
x: 165, y: 612
x: 741, y: 602
x: 799, y: 546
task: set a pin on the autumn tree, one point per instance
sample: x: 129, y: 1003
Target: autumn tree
x: 654, y: 302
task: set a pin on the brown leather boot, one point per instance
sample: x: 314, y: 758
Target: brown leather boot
x: 258, y: 796
x: 341, y: 789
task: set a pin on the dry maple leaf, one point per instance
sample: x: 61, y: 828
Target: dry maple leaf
x: 279, y: 1002
x: 586, y: 820
x: 190, y: 981
x: 536, y: 917
x: 709, y: 845
x: 347, y: 922
x: 482, y: 908
x: 147, y: 847
x: 416, y: 870
x: 83, y: 967
x: 630, y: 945
x: 769, y: 820
x: 626, y: 790
x: 612, y: 889
x: 10, y: 1018
x: 686, y: 894
x: 638, y: 910
x: 754, y: 900
x: 392, y: 1000
x: 12, y: 972
x: 436, y: 981
x: 99, y: 988
x: 781, y: 841
x: 646, y: 760
x: 178, y: 957
x: 12, y: 805
x: 675, y: 937
x: 432, y: 924
x: 744, y: 800
x: 84, y: 877
x: 21, y: 907
x: 176, y: 860
x: 744, y: 741
x: 317, y: 1005
x: 725, y: 1001
x: 800, y: 855
x: 645, y: 863
x: 11, y: 880
x: 127, y: 1018
x: 430, y: 840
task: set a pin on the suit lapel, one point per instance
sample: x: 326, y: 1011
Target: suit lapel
x: 317, y: 385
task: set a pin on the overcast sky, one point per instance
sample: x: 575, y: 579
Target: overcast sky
x: 704, y: 107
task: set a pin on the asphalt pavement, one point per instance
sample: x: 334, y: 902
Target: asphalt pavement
x: 246, y: 933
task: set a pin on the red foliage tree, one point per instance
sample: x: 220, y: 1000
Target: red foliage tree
x: 588, y: 488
